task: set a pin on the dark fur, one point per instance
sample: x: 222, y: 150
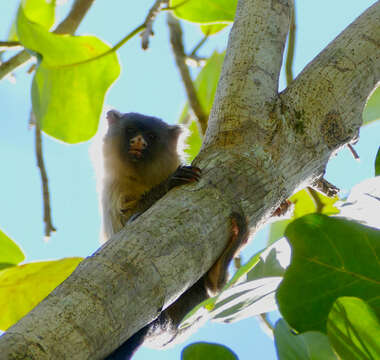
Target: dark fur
x: 133, y: 182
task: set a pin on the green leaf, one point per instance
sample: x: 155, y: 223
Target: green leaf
x: 245, y: 300
x: 203, y: 350
x: 371, y: 110
x: 277, y: 230
x: 273, y: 261
x: 200, y: 11
x: 212, y: 29
x: 377, y: 163
x: 193, y: 141
x: 354, y: 329
x: 331, y: 257
x: 71, y: 80
x: 311, y: 345
x: 39, y: 11
x: 10, y: 253
x: 305, y: 204
x: 206, y: 84
x: 23, y: 287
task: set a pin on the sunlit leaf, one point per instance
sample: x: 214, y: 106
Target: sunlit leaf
x: 371, y: 111
x: 10, y: 253
x: 68, y: 89
x: 39, y: 11
x: 212, y: 29
x: 193, y: 141
x: 206, y: 84
x: 331, y: 257
x: 363, y: 203
x: 277, y: 230
x: 200, y: 11
x: 246, y: 300
x: 354, y: 329
x: 377, y: 163
x: 23, y: 287
x: 273, y: 261
x: 203, y: 351
x: 311, y: 345
x: 305, y: 204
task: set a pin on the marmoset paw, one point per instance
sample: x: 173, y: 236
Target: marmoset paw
x: 184, y: 175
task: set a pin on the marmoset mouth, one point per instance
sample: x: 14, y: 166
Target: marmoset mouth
x: 136, y: 152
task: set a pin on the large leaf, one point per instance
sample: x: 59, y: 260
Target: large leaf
x: 10, y: 253
x: 363, y: 203
x: 377, y: 163
x: 331, y: 258
x: 311, y: 345
x: 39, y: 11
x: 200, y: 11
x: 203, y: 350
x: 246, y: 300
x: 371, y: 111
x: 354, y: 329
x: 23, y: 287
x: 68, y: 88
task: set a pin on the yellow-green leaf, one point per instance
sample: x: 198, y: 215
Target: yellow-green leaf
x: 71, y: 80
x: 23, y: 287
x: 200, y: 11
x: 10, y: 253
x: 354, y: 329
x: 331, y: 257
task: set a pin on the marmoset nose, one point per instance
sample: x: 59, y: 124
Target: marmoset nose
x: 138, y: 142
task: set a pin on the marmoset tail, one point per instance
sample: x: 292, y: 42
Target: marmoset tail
x: 142, y: 162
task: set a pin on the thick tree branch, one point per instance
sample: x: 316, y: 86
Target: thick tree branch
x: 245, y: 169
x: 67, y: 26
x: 251, y: 67
x: 329, y: 95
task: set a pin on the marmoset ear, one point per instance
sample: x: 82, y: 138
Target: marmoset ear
x: 176, y: 130
x: 113, y: 116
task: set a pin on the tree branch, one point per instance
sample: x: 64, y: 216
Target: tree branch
x: 290, y: 51
x: 180, y: 58
x: 146, y: 266
x: 251, y: 69
x: 67, y: 26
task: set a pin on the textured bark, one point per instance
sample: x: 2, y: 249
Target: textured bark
x: 259, y: 147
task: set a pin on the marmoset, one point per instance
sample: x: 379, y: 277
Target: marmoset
x: 142, y: 161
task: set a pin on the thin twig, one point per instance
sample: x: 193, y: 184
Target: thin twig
x: 325, y: 187
x: 199, y: 45
x: 149, y: 20
x: 10, y: 45
x: 290, y: 51
x: 67, y: 26
x: 353, y: 151
x: 180, y: 57
x: 49, y: 228
x: 267, y: 323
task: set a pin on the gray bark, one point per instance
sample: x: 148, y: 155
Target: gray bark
x: 260, y: 146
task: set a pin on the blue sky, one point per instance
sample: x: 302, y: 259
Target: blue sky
x: 149, y: 83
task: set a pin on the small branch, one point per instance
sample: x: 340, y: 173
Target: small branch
x: 49, y: 228
x: 10, y: 45
x: 180, y: 57
x: 323, y: 186
x: 317, y: 201
x: 199, y: 45
x: 290, y: 51
x: 353, y: 151
x: 67, y: 26
x: 153, y: 12
x: 265, y: 322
